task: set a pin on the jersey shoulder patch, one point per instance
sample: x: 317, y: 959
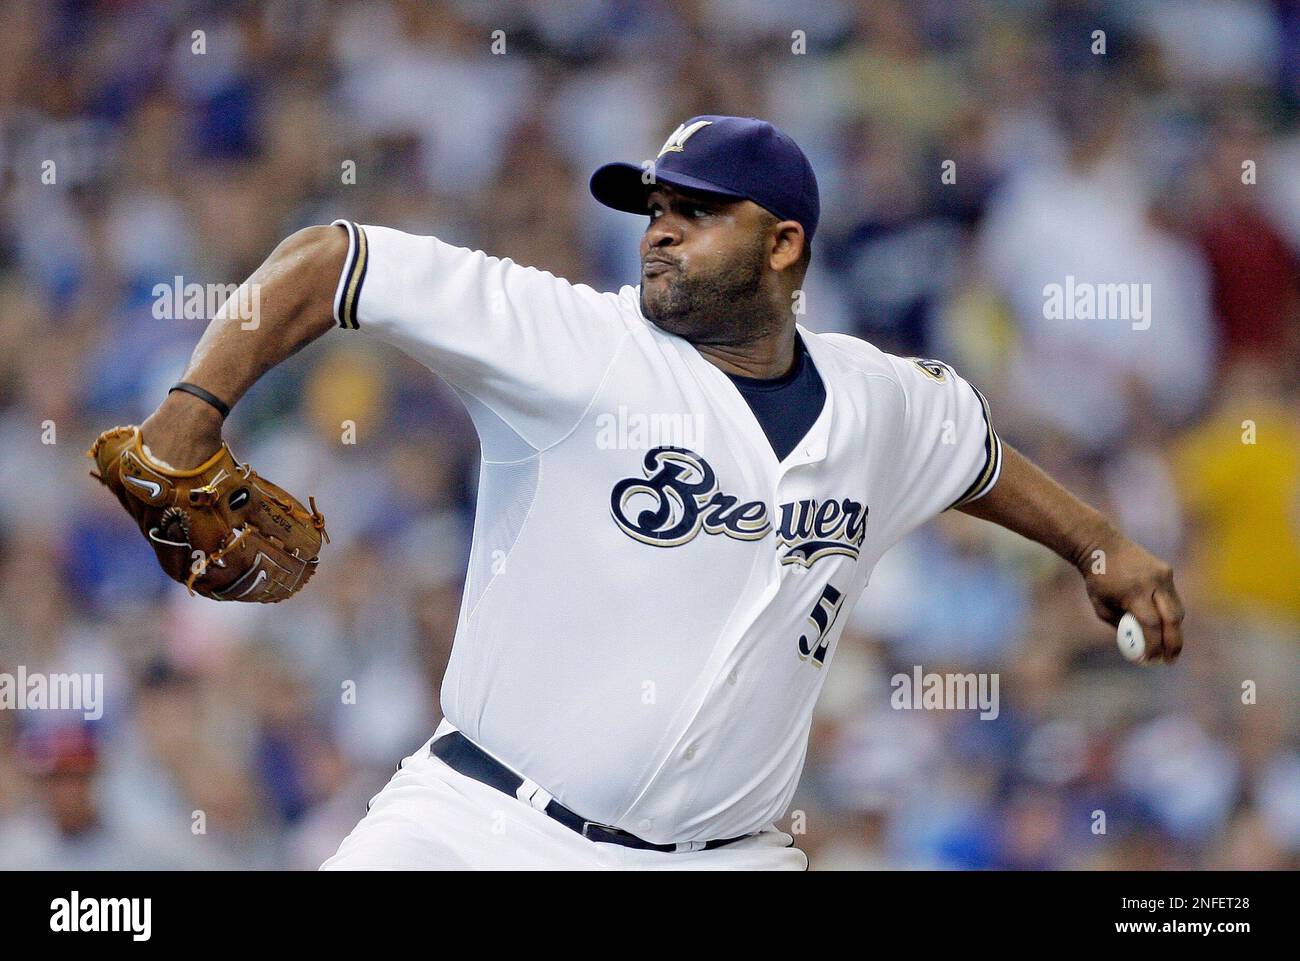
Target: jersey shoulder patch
x: 936, y: 370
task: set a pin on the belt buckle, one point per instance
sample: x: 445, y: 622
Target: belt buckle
x: 607, y: 828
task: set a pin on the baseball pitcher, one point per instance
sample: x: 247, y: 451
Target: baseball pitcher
x: 683, y: 492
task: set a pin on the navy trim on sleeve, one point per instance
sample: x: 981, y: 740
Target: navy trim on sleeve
x: 348, y: 293
x: 992, y: 469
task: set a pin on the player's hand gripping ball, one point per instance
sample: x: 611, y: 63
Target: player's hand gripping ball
x: 219, y: 529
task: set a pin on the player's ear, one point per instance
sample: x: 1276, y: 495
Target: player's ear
x: 787, y: 244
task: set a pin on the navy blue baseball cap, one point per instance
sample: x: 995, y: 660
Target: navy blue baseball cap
x: 737, y: 157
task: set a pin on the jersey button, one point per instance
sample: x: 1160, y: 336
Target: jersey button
x: 731, y: 678
x: 690, y: 753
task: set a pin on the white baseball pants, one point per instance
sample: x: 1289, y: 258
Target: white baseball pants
x: 430, y: 817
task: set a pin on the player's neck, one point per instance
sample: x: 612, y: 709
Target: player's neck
x: 767, y: 358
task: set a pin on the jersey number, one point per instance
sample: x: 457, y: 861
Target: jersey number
x: 823, y: 618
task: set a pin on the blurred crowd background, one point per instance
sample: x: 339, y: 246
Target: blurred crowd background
x: 1119, y: 167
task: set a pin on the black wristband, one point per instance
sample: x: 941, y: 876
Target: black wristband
x: 222, y: 408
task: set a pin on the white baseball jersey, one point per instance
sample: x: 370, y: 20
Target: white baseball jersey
x: 652, y: 597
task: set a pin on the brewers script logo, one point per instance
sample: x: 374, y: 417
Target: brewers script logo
x: 679, y: 497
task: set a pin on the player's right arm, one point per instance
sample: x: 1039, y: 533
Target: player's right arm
x: 295, y: 289
x: 529, y: 348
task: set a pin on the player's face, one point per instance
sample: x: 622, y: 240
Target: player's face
x: 705, y: 266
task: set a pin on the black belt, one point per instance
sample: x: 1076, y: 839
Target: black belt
x: 463, y: 755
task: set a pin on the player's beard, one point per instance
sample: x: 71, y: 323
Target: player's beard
x: 729, y: 306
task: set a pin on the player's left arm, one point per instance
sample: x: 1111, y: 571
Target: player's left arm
x: 1123, y: 577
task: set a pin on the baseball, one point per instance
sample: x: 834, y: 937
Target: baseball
x: 1132, y: 642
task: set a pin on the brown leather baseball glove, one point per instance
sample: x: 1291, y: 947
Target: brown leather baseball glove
x: 219, y: 529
